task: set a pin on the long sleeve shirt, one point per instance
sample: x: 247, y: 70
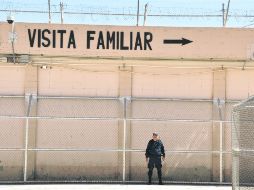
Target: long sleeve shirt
x: 155, y: 148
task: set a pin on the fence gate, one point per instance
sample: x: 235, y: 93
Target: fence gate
x: 243, y: 145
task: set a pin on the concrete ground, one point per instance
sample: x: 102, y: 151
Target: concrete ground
x: 111, y: 187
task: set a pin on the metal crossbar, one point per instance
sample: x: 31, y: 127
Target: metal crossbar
x: 125, y: 118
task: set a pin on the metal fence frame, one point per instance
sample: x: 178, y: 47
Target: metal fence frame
x: 124, y: 150
x: 242, y: 125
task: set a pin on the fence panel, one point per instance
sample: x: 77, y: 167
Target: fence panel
x: 82, y: 139
x: 11, y: 149
x: 242, y: 145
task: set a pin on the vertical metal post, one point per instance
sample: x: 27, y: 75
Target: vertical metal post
x: 223, y: 15
x: 226, y: 17
x: 145, y: 14
x: 26, y: 149
x: 219, y: 103
x: 124, y: 139
x: 26, y: 137
x: 221, y: 150
x: 138, y: 13
x: 49, y: 11
x: 61, y: 11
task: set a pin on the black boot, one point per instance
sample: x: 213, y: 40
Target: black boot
x: 159, y: 176
x: 150, y: 173
x: 150, y: 181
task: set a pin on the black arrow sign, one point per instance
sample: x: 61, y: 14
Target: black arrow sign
x: 182, y: 41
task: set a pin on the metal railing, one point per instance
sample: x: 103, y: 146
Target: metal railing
x: 55, y: 128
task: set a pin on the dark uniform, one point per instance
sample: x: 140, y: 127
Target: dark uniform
x: 154, y: 151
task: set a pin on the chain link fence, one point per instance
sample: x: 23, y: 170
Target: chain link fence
x: 103, y: 140
x: 242, y: 145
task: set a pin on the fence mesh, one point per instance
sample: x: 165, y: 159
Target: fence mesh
x: 79, y: 108
x: 69, y: 139
x: 242, y: 145
x: 172, y: 110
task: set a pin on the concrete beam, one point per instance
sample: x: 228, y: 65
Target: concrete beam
x: 219, y: 95
x: 125, y: 91
x: 31, y: 88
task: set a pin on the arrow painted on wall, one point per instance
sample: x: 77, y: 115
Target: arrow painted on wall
x: 182, y: 41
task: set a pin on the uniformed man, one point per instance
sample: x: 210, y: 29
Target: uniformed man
x: 154, y: 154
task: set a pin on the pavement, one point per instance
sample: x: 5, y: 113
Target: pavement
x: 111, y: 187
